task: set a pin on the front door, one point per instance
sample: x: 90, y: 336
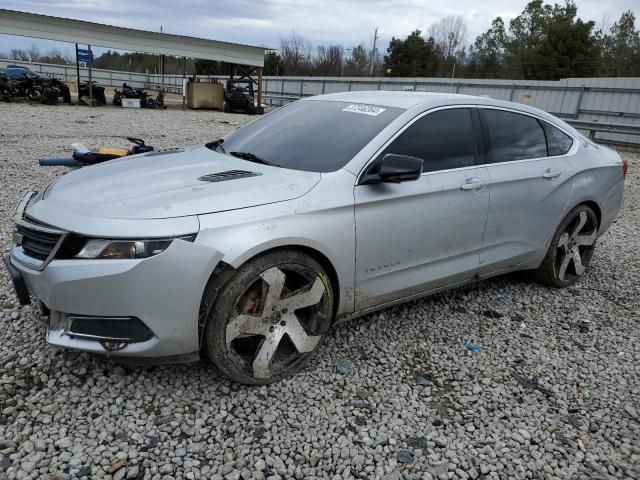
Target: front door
x: 415, y: 236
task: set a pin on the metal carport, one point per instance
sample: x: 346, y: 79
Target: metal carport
x: 47, y: 27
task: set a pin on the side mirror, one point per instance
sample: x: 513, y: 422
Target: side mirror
x: 394, y: 169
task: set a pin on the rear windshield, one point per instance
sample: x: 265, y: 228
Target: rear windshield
x: 315, y: 136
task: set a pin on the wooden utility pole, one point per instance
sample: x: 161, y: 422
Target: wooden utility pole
x: 161, y: 68
x: 373, y: 52
x: 259, y: 106
x: 90, y: 82
x: 77, y: 75
x: 184, y: 84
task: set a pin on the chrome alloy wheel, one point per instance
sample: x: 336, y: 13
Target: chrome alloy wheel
x: 278, y: 319
x: 575, y: 245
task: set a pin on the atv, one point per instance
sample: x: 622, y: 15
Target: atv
x: 239, y: 96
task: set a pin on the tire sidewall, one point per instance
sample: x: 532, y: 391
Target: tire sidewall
x: 549, y: 267
x: 224, y: 304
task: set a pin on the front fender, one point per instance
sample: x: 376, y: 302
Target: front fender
x: 322, y: 220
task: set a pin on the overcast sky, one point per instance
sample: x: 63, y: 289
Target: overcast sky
x: 264, y: 22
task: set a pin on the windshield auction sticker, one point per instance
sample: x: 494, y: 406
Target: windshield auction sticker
x: 364, y: 109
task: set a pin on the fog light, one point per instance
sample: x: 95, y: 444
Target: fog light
x: 114, y: 330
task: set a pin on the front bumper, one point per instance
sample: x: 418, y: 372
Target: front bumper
x: 164, y: 292
x: 19, y: 285
x: 152, y: 305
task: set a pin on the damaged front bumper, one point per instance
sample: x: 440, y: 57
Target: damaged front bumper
x: 125, y: 307
x: 138, y: 308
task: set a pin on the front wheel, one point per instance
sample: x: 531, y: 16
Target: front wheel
x: 269, y: 318
x: 571, y: 249
x: 34, y: 94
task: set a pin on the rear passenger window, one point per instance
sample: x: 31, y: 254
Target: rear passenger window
x: 558, y: 142
x: 514, y: 137
x: 443, y: 139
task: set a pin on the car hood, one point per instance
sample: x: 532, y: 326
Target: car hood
x: 167, y: 185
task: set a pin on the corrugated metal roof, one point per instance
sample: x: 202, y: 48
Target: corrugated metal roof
x: 13, y: 22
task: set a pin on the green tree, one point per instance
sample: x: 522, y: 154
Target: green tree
x: 412, y: 57
x: 621, y: 48
x: 488, y: 52
x: 357, y: 65
x: 213, y: 67
x: 273, y: 64
x: 544, y: 42
x: 551, y: 42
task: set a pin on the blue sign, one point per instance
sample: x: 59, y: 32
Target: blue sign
x: 85, y: 55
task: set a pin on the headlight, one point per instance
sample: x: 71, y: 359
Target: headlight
x: 126, y: 249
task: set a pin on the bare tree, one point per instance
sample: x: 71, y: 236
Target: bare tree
x: 296, y: 54
x: 329, y: 60
x: 604, y: 25
x: 34, y: 53
x: 449, y: 34
x: 19, y: 54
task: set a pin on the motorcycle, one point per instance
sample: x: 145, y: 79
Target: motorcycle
x: 22, y: 82
x: 157, y: 102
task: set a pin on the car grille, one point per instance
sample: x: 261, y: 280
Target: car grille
x: 36, y: 243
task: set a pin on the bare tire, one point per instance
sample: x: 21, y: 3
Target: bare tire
x: 571, y: 248
x: 269, y: 318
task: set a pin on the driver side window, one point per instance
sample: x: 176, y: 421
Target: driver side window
x: 443, y: 140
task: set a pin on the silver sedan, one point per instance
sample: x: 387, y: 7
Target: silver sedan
x: 248, y: 249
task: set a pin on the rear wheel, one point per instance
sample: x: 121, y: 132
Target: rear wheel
x: 269, y: 318
x: 571, y: 248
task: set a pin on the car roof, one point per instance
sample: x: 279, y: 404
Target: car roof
x: 427, y: 100
x: 390, y: 98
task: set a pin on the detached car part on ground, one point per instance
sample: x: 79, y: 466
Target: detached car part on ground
x: 22, y: 82
x: 83, y: 157
x: 250, y: 248
x: 146, y: 100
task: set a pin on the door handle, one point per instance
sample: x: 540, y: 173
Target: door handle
x: 551, y: 173
x: 473, y: 183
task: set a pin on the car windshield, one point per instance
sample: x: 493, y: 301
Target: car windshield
x: 311, y: 135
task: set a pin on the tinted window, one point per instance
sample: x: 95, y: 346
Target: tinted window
x: 514, y: 137
x: 311, y: 135
x: 558, y: 142
x: 443, y: 139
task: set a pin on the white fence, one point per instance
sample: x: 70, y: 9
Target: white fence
x: 605, y: 100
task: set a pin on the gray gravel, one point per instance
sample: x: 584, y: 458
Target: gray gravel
x: 416, y: 404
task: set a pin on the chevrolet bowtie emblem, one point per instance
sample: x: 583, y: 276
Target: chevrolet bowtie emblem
x: 16, y: 238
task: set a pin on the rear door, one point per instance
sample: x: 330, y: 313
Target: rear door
x: 418, y: 235
x: 531, y: 180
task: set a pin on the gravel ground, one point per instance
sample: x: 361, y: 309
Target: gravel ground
x: 416, y: 404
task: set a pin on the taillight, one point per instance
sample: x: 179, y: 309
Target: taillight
x: 625, y: 168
